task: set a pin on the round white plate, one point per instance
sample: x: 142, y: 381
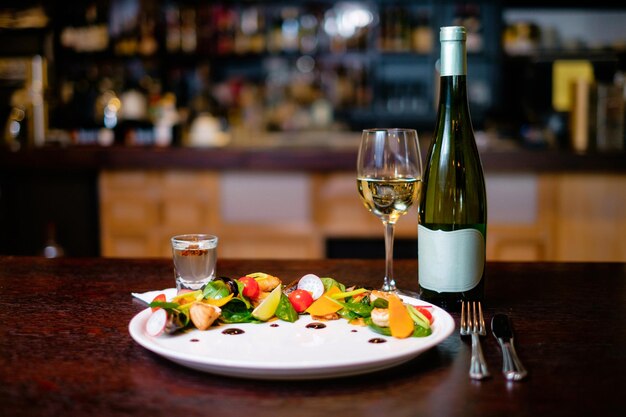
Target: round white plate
x: 289, y: 351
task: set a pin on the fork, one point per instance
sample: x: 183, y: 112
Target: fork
x: 473, y: 323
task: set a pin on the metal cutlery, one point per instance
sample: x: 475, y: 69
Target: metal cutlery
x: 502, y: 329
x: 473, y: 323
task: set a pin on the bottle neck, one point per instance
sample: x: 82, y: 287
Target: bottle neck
x: 453, y: 112
x: 453, y: 102
x: 453, y: 92
x: 453, y: 58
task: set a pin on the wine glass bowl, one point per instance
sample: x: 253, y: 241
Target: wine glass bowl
x: 389, y: 180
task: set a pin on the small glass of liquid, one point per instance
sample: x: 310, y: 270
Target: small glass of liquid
x: 195, y: 256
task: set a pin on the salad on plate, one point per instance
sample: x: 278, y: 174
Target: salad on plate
x: 260, y: 297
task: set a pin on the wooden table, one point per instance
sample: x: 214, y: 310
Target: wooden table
x: 65, y: 348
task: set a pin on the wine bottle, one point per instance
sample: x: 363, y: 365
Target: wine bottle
x: 453, y: 211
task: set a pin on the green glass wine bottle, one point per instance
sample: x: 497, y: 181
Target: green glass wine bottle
x: 453, y: 210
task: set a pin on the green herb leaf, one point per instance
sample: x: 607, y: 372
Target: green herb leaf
x: 237, y: 312
x: 164, y: 304
x: 386, y: 331
x: 285, y: 310
x: 240, y: 295
x: 422, y: 331
x: 345, y: 295
x: 380, y: 303
x: 360, y: 309
x: 418, y: 318
x: 216, y: 290
x: 347, y: 314
x: 330, y: 282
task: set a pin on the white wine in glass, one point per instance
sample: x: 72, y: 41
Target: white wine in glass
x: 389, y: 180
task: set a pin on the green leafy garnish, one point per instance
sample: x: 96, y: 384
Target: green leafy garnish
x: 349, y: 315
x: 216, y: 290
x: 418, y: 318
x: 331, y: 282
x: 285, y: 310
x: 240, y: 296
x: 359, y: 309
x: 344, y: 295
x: 237, y: 312
x: 167, y: 305
x: 422, y: 332
x: 386, y: 331
x: 380, y: 303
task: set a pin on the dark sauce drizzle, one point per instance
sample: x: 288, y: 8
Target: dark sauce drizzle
x: 273, y: 325
x: 377, y: 340
x: 233, y: 331
x: 194, y: 340
x: 315, y: 325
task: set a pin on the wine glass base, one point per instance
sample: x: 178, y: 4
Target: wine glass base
x: 405, y: 292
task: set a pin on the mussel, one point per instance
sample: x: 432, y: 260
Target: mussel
x: 232, y: 285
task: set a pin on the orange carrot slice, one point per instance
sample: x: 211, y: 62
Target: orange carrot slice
x: 325, y: 304
x: 400, y: 323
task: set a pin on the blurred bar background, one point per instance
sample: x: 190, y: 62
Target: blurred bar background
x: 128, y: 121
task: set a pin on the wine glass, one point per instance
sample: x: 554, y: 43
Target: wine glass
x: 389, y: 180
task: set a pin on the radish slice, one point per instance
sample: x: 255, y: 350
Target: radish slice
x: 313, y: 284
x: 155, y: 325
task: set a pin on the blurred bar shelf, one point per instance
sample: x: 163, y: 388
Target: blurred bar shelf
x: 288, y: 157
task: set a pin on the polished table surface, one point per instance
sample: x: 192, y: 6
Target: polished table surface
x: 65, y: 348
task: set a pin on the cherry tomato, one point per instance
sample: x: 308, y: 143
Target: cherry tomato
x: 250, y: 287
x: 300, y: 300
x: 160, y: 297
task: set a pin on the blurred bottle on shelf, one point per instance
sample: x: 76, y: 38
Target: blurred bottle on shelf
x: 521, y: 38
x: 394, y: 35
x: 422, y: 33
x: 610, y: 117
x: 86, y: 30
x: 188, y: 35
x: 405, y: 29
x: 284, y: 30
x: 401, y: 31
x: 290, y: 29
x: 469, y: 16
x: 133, y: 27
x: 172, y: 28
x: 309, y: 35
x: 225, y: 23
x: 250, y: 33
x: 27, y: 122
x: 148, y: 17
x: 124, y: 27
x: 135, y: 127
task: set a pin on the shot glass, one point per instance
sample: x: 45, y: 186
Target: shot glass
x: 194, y: 256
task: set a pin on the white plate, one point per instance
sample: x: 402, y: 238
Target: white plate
x: 289, y: 351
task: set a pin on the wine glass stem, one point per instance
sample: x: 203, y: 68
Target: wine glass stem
x: 389, y: 284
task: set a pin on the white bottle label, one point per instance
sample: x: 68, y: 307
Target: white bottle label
x: 450, y: 261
